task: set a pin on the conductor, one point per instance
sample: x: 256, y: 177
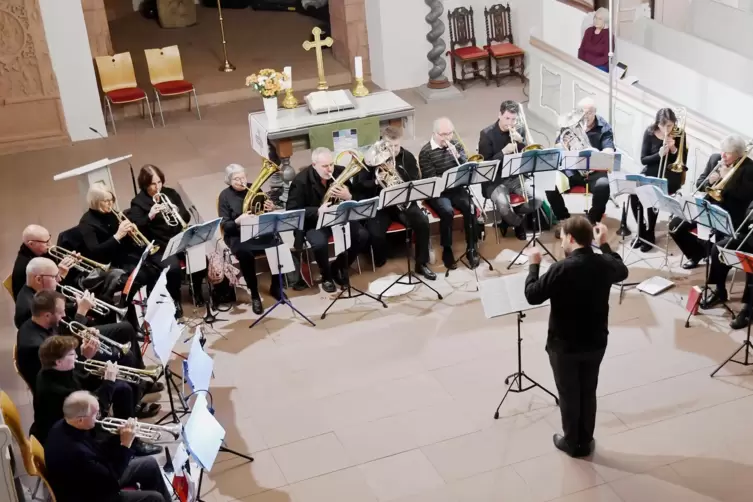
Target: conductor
x: 576, y: 343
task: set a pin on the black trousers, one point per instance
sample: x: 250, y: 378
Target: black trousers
x: 125, y: 396
x: 145, y: 472
x: 598, y: 186
x: 318, y: 239
x: 577, y: 376
x: 444, y: 205
x: 691, y: 246
x: 718, y: 271
x: 412, y: 217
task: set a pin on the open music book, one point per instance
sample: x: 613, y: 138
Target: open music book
x: 330, y: 101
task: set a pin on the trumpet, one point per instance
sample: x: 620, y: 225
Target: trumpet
x: 82, y: 264
x: 125, y: 373
x: 139, y: 238
x: 144, y: 431
x: 170, y: 211
x: 106, y: 345
x: 100, y: 307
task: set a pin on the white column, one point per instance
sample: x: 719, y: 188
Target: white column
x: 72, y: 62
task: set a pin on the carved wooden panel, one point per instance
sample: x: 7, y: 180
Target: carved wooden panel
x: 31, y: 113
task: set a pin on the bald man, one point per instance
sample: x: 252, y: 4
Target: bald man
x: 36, y: 242
x: 600, y: 137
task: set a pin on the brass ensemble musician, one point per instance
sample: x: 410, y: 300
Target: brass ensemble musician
x: 437, y: 156
x: 36, y: 242
x: 230, y: 208
x: 500, y: 139
x: 149, y: 217
x: 412, y: 216
x: 736, y: 195
x: 659, y: 147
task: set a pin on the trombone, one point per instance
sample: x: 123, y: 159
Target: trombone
x: 125, y: 373
x: 139, y: 238
x: 522, y: 123
x: 100, y: 307
x: 106, y: 345
x: 170, y: 211
x: 144, y: 431
x: 82, y: 264
x: 678, y: 131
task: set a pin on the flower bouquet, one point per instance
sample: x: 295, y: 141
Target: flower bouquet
x: 268, y: 83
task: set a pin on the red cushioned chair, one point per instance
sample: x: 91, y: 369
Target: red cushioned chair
x: 166, y: 75
x: 118, y: 82
x: 463, y: 49
x: 509, y: 59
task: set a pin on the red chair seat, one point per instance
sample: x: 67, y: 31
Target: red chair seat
x: 472, y: 52
x: 174, y: 87
x: 505, y: 50
x: 577, y: 190
x: 516, y: 200
x: 694, y: 231
x: 395, y: 227
x: 331, y: 240
x: 126, y: 95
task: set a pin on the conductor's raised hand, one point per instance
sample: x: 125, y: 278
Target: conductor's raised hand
x: 601, y: 234
x: 534, y: 256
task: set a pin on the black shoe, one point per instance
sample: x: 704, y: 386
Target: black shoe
x: 340, y: 278
x: 562, y: 445
x: 520, y: 233
x: 379, y: 262
x: 300, y: 285
x: 712, y: 300
x: 503, y: 226
x: 198, y: 300
x: 473, y: 259
x: 448, y: 258
x: 142, y: 449
x: 328, y: 286
x: 690, y: 264
x: 426, y: 272
x: 147, y: 410
x: 178, y: 310
x: 584, y: 450
x: 741, y: 320
x: 154, y: 387
x: 649, y: 238
x: 256, y: 306
x: 637, y: 243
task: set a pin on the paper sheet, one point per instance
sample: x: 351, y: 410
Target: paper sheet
x: 286, y: 258
x: 196, y: 258
x: 200, y: 365
x: 249, y: 224
x: 203, y: 434
x: 505, y: 295
x: 164, y: 336
x: 340, y: 244
x: 704, y: 232
x: 729, y: 256
x: 545, y: 181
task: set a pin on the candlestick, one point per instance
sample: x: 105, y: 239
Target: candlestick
x: 360, y: 90
x: 359, y: 67
x: 288, y: 71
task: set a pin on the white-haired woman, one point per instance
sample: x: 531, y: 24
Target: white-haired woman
x: 594, y: 48
x: 230, y: 209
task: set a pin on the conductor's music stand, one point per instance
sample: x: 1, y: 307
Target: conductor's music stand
x: 403, y: 196
x: 529, y: 163
x: 341, y: 215
x: 502, y: 296
x: 274, y: 224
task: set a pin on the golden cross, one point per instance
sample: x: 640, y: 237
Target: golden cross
x: 317, y: 44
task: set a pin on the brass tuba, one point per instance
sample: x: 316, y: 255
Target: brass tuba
x: 715, y: 191
x: 573, y: 134
x: 255, y: 198
x: 379, y: 156
x: 354, y: 167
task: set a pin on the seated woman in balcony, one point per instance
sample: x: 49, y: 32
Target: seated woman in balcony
x: 594, y: 48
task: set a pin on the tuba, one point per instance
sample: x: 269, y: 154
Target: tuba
x: 715, y: 191
x: 139, y: 238
x: 170, y: 211
x: 255, y: 198
x: 354, y: 167
x: 379, y: 156
x: 573, y: 134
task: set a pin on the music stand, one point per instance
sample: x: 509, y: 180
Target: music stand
x: 343, y: 214
x: 503, y: 296
x: 740, y: 261
x: 529, y: 163
x: 274, y: 224
x: 404, y: 195
x: 590, y: 161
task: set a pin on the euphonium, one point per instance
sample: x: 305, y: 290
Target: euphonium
x: 99, y: 307
x: 106, y: 345
x: 82, y: 264
x: 715, y: 191
x: 139, y: 238
x: 573, y: 135
x: 379, y: 157
x: 354, y: 167
x: 170, y: 211
x: 125, y: 373
x: 255, y: 198
x: 144, y: 431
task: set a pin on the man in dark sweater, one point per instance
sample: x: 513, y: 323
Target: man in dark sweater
x: 576, y: 342
x: 441, y: 153
x: 36, y: 242
x: 413, y: 216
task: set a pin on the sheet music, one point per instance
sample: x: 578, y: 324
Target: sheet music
x: 647, y: 195
x: 203, y: 434
x: 200, y: 364
x: 286, y: 257
x: 703, y: 232
x: 196, y: 258
x: 642, y: 180
x: 545, y: 181
x: 729, y: 256
x: 399, y: 194
x: 337, y: 234
x: 249, y: 226
x: 505, y: 295
x: 591, y: 160
x: 165, y: 333
x: 619, y: 185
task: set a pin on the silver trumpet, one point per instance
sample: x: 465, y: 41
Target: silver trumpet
x: 125, y: 373
x: 107, y: 346
x: 170, y: 211
x: 100, y: 307
x: 144, y: 431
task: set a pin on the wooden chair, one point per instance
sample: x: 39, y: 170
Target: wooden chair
x: 509, y: 59
x: 37, y: 455
x: 12, y: 419
x: 8, y: 284
x: 166, y: 75
x: 118, y: 82
x: 463, y: 49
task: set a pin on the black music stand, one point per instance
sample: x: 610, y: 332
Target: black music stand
x: 528, y: 164
x: 465, y: 175
x: 274, y: 224
x: 744, y: 261
x: 503, y: 296
x: 342, y: 215
x: 403, y: 195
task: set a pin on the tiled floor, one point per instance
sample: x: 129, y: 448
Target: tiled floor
x: 397, y: 404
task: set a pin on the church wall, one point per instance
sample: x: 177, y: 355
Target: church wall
x: 95, y: 17
x: 72, y: 63
x: 31, y: 113
x: 349, y: 31
x: 722, y: 25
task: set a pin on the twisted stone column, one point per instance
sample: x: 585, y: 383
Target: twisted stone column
x: 437, y: 78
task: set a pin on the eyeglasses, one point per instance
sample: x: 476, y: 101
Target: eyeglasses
x: 56, y: 276
x: 238, y: 179
x: 445, y: 134
x: 41, y: 242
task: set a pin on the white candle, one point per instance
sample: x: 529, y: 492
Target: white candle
x: 288, y: 71
x: 359, y: 67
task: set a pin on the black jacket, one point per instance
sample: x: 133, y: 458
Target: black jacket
x: 307, y: 191
x: 650, y: 159
x: 81, y: 469
x: 490, y: 144
x: 229, y: 207
x: 23, y: 308
x: 98, y: 230
x: 737, y: 193
x: 18, y: 278
x: 366, y: 186
x: 28, y: 340
x: 52, y: 388
x: 157, y: 229
x: 578, y: 288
